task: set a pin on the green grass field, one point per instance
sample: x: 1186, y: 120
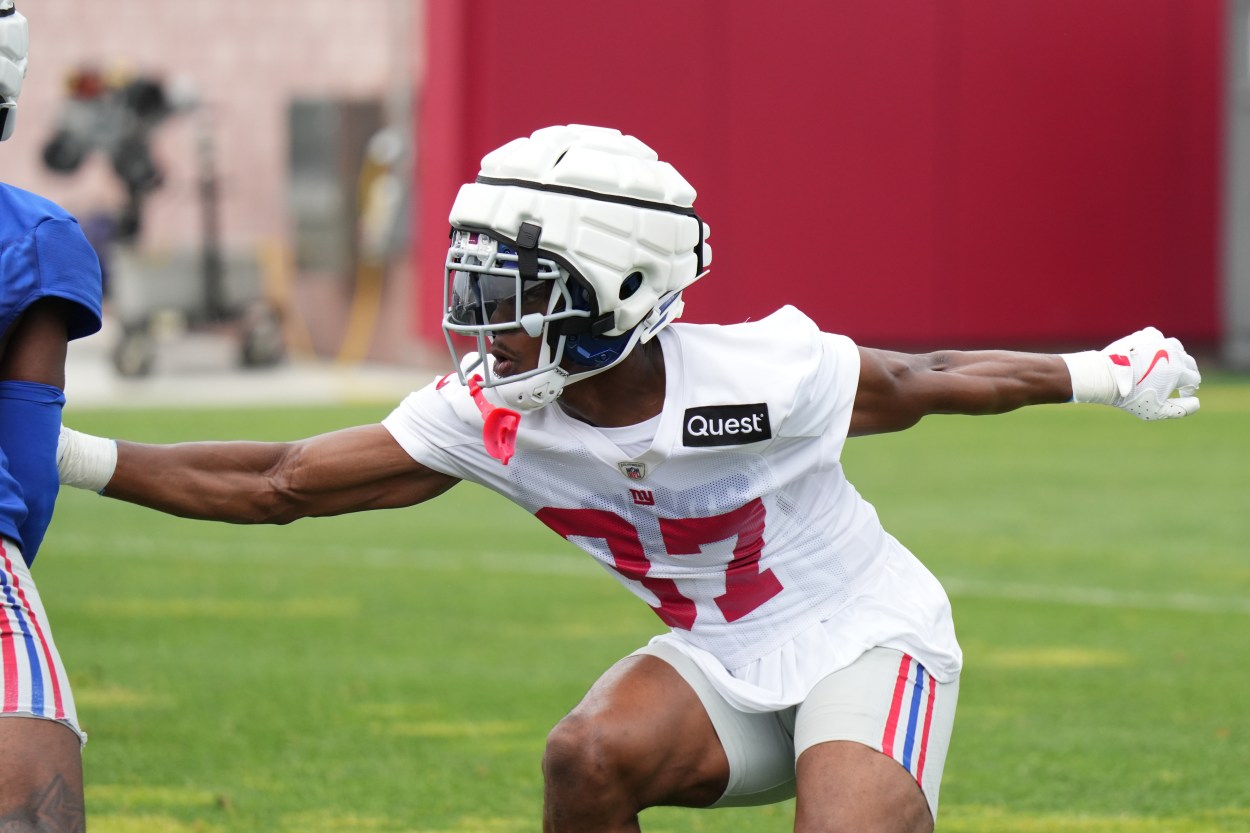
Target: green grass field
x: 399, y: 671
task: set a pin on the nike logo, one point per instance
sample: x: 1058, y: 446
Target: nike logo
x: 1162, y: 354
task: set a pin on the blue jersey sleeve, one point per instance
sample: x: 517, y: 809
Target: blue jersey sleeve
x: 44, y: 254
x: 69, y: 269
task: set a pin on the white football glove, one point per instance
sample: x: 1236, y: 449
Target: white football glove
x: 1138, y: 373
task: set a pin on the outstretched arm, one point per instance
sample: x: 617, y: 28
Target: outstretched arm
x: 253, y: 482
x: 897, y: 389
x: 1138, y: 373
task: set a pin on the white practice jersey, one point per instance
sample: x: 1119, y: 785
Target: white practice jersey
x: 735, y: 523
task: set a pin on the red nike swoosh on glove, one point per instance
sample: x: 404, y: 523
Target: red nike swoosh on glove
x: 1162, y: 354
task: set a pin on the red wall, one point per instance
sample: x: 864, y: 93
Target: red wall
x: 913, y: 174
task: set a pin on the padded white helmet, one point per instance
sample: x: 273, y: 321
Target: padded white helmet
x: 14, y: 41
x: 576, y: 234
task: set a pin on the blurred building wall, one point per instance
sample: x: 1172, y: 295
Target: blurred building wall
x: 1236, y: 297
x: 964, y: 172
x: 248, y: 60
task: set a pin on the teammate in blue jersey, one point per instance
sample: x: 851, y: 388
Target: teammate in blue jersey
x: 809, y: 653
x: 50, y: 293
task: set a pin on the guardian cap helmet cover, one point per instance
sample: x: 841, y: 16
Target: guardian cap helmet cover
x: 576, y: 234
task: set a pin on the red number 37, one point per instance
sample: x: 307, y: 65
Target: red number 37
x: 746, y: 586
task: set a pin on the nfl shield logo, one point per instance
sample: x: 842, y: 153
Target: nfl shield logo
x: 634, y: 471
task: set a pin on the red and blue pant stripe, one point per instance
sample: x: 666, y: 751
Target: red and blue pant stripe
x: 906, y: 737
x: 32, y: 681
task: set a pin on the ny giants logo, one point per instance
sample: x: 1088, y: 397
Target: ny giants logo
x: 715, y: 425
x: 642, y: 497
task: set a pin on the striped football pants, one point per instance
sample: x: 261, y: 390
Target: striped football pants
x: 33, y: 682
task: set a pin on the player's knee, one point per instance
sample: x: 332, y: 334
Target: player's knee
x: 582, y: 759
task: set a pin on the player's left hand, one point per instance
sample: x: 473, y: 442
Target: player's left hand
x: 1148, y: 369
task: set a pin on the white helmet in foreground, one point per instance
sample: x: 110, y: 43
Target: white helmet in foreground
x: 14, y: 41
x: 588, y: 223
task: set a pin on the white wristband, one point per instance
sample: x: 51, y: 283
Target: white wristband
x: 85, y: 461
x: 1092, y: 378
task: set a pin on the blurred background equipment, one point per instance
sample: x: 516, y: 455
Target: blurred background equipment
x: 156, y: 296
x: 116, y: 118
x: 348, y: 199
x: 347, y: 196
x: 381, y: 215
x: 327, y: 140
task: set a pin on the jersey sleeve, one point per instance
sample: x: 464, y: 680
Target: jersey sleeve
x: 427, y: 426
x: 68, y: 268
x: 826, y: 396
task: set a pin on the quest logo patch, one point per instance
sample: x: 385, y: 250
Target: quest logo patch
x: 714, y: 425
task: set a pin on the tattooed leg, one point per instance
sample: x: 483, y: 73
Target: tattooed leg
x: 59, y: 809
x: 40, y: 778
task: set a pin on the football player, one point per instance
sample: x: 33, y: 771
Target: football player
x: 50, y: 292
x: 808, y: 652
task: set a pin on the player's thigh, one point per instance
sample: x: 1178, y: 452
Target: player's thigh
x: 757, y: 749
x: 40, y: 773
x: 871, y: 742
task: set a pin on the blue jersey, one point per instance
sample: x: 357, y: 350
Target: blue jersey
x: 43, y: 254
